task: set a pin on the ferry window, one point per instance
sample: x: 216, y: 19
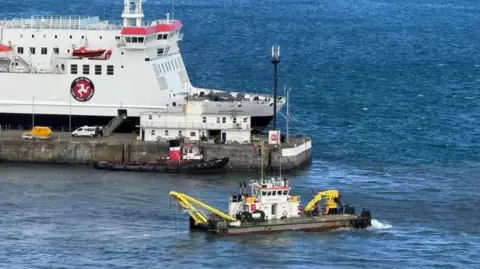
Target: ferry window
x: 100, y: 37
x: 56, y: 50
x: 73, y: 69
x: 44, y: 36
x: 141, y: 39
x: 170, y: 35
x: 98, y: 69
x: 160, y: 52
x: 159, y: 37
x: 234, y: 120
x: 166, y: 132
x: 149, y: 117
x: 63, y: 67
x: 285, y: 192
x: 165, y: 36
x: 152, y: 132
x: 245, y: 119
x: 56, y: 36
x: 20, y: 50
x: 32, y: 50
x: 179, y: 133
x: 204, y: 119
x: 86, y: 69
x: 110, y: 70
x: 33, y: 36
x: 70, y: 37
x: 224, y: 120
x: 117, y: 38
x: 279, y: 192
x: 44, y: 51
x: 274, y: 192
x: 218, y: 120
x: 192, y: 134
x: 174, y: 104
x: 134, y: 39
x: 21, y: 35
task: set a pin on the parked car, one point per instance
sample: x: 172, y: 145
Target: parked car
x: 90, y: 131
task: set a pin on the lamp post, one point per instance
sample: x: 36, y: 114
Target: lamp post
x: 33, y: 111
x: 275, y: 61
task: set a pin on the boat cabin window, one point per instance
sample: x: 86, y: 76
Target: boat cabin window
x: 269, y: 193
x: 86, y: 69
x: 264, y: 193
x: 20, y: 50
x: 274, y: 193
x: 110, y: 70
x: 141, y: 39
x: 279, y: 192
x: 98, y: 69
x: 128, y: 39
x: 32, y: 50
x: 285, y: 192
x: 73, y: 69
x: 44, y: 51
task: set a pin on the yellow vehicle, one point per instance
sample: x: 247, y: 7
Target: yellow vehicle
x: 38, y: 132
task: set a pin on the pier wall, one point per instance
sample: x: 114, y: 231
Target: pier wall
x: 242, y: 157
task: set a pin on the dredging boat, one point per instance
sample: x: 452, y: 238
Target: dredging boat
x: 183, y: 158
x: 270, y: 207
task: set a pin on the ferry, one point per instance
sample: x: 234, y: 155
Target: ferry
x: 270, y: 207
x: 66, y: 71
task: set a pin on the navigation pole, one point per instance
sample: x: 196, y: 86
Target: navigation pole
x: 275, y: 61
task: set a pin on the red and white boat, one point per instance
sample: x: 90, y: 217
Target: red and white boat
x: 88, y: 53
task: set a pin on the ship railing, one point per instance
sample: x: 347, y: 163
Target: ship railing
x: 195, y: 126
x: 62, y: 22
x: 253, y: 97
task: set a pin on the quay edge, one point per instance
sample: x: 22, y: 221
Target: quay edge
x: 296, y: 154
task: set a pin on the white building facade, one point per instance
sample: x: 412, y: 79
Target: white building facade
x: 195, y: 125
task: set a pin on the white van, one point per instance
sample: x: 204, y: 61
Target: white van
x: 85, y: 131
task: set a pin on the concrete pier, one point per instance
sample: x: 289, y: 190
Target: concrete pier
x: 63, y: 149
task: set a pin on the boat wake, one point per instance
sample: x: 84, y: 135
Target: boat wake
x: 378, y: 225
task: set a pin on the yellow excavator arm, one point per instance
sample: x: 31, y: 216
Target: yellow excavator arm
x: 329, y: 195
x: 186, y: 201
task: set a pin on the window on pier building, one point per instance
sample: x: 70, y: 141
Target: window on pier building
x: 218, y: 119
x: 179, y: 133
x: 152, y: 132
x: 98, y: 69
x: 166, y: 132
x: 245, y: 119
x: 32, y: 50
x: 224, y: 120
x: 149, y: 117
x: 86, y: 69
x: 110, y: 70
x: 20, y: 50
x: 43, y: 51
x: 192, y: 134
x: 73, y: 69
x: 234, y: 120
x: 204, y: 119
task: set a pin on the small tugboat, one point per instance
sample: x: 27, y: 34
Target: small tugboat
x: 270, y: 208
x: 182, y: 159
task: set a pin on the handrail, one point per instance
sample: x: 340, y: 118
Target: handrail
x: 183, y: 125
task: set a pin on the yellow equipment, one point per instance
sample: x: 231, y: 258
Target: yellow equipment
x: 186, y: 201
x: 41, y: 131
x: 330, y: 197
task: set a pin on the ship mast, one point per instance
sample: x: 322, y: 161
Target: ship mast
x: 129, y: 14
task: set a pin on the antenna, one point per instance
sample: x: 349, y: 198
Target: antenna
x: 173, y: 3
x: 275, y: 61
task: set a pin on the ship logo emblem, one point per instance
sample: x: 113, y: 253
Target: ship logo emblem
x: 82, y: 89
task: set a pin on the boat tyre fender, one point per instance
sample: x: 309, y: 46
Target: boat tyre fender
x: 262, y: 214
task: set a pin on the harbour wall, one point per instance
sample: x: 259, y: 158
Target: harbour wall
x: 289, y: 156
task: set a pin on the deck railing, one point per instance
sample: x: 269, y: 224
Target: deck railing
x: 195, y: 126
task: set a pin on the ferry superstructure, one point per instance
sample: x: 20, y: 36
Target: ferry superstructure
x: 75, y: 71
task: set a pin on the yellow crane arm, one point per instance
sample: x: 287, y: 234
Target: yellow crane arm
x: 186, y: 202
x: 330, y: 195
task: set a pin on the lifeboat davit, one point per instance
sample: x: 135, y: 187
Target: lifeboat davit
x: 4, y: 48
x: 88, y: 53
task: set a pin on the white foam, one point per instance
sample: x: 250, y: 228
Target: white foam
x: 378, y: 225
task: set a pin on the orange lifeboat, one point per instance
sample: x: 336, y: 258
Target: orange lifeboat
x: 88, y: 53
x: 4, y: 48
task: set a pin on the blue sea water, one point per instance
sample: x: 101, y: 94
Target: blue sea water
x: 389, y: 92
